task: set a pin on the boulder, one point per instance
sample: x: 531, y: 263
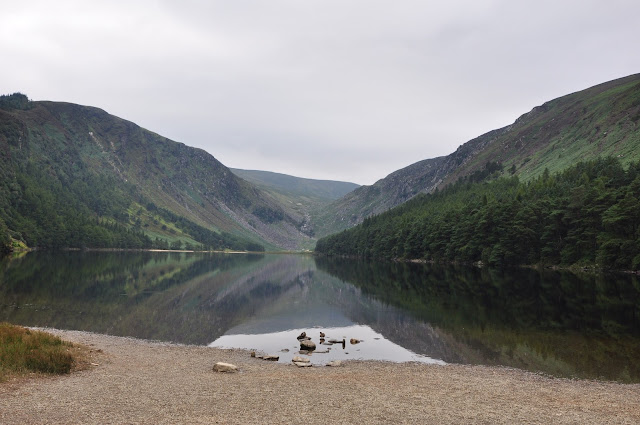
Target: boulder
x: 225, y: 367
x: 305, y: 344
x: 297, y: 359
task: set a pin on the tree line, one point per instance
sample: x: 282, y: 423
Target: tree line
x: 587, y: 215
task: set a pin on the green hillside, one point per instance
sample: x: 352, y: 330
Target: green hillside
x: 297, y: 186
x: 597, y: 122
x: 75, y: 176
x: 303, y: 198
x: 587, y: 215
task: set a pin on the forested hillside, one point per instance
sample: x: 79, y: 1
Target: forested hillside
x: 600, y: 121
x: 75, y: 176
x: 587, y: 215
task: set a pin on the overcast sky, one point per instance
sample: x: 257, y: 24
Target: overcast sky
x: 343, y: 90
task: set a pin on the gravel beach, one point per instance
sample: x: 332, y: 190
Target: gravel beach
x: 134, y: 381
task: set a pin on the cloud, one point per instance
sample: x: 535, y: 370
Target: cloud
x: 326, y: 89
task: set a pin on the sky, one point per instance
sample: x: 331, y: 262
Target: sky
x: 348, y: 90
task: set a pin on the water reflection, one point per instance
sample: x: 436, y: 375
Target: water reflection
x: 557, y: 323
x: 550, y: 321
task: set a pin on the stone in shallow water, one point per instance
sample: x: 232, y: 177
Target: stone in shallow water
x: 270, y: 358
x: 225, y: 367
x: 307, y: 345
x: 297, y: 359
x: 302, y: 364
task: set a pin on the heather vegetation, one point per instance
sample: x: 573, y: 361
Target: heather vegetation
x: 23, y: 351
x: 587, y: 215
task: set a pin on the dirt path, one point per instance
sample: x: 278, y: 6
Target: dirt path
x: 150, y: 383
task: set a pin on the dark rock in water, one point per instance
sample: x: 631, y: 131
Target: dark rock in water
x: 284, y: 350
x: 303, y: 335
x: 271, y: 358
x: 305, y: 344
x: 354, y: 341
x: 321, y: 334
x: 336, y: 341
x: 303, y: 352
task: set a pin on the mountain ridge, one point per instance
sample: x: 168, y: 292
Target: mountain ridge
x: 69, y: 142
x: 599, y: 121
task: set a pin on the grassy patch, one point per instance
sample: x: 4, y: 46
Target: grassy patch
x: 25, y: 351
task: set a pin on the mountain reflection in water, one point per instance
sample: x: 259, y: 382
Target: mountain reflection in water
x: 552, y: 322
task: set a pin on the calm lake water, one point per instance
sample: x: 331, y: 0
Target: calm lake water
x: 553, y: 322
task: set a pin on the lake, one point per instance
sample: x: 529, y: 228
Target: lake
x: 552, y: 322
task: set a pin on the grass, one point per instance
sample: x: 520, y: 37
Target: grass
x: 24, y: 351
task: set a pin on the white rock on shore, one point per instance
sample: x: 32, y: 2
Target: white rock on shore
x: 225, y: 367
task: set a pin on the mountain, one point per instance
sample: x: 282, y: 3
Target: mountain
x: 304, y: 197
x: 297, y: 186
x: 600, y: 121
x: 77, y: 176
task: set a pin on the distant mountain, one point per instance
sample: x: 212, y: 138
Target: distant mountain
x: 76, y: 176
x: 296, y: 186
x: 300, y: 196
x: 600, y: 121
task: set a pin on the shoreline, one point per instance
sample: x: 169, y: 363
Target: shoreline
x: 138, y: 381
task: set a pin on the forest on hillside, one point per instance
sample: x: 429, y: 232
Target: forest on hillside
x: 90, y: 212
x: 587, y: 215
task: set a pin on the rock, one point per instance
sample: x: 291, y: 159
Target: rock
x: 253, y: 354
x: 334, y: 363
x: 305, y: 344
x: 225, y: 367
x: 354, y: 341
x: 271, y: 358
x: 303, y: 335
x: 300, y: 359
x: 335, y: 341
x: 284, y: 350
x: 321, y: 352
x: 303, y: 352
x: 326, y: 343
x: 321, y: 334
x: 302, y: 364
